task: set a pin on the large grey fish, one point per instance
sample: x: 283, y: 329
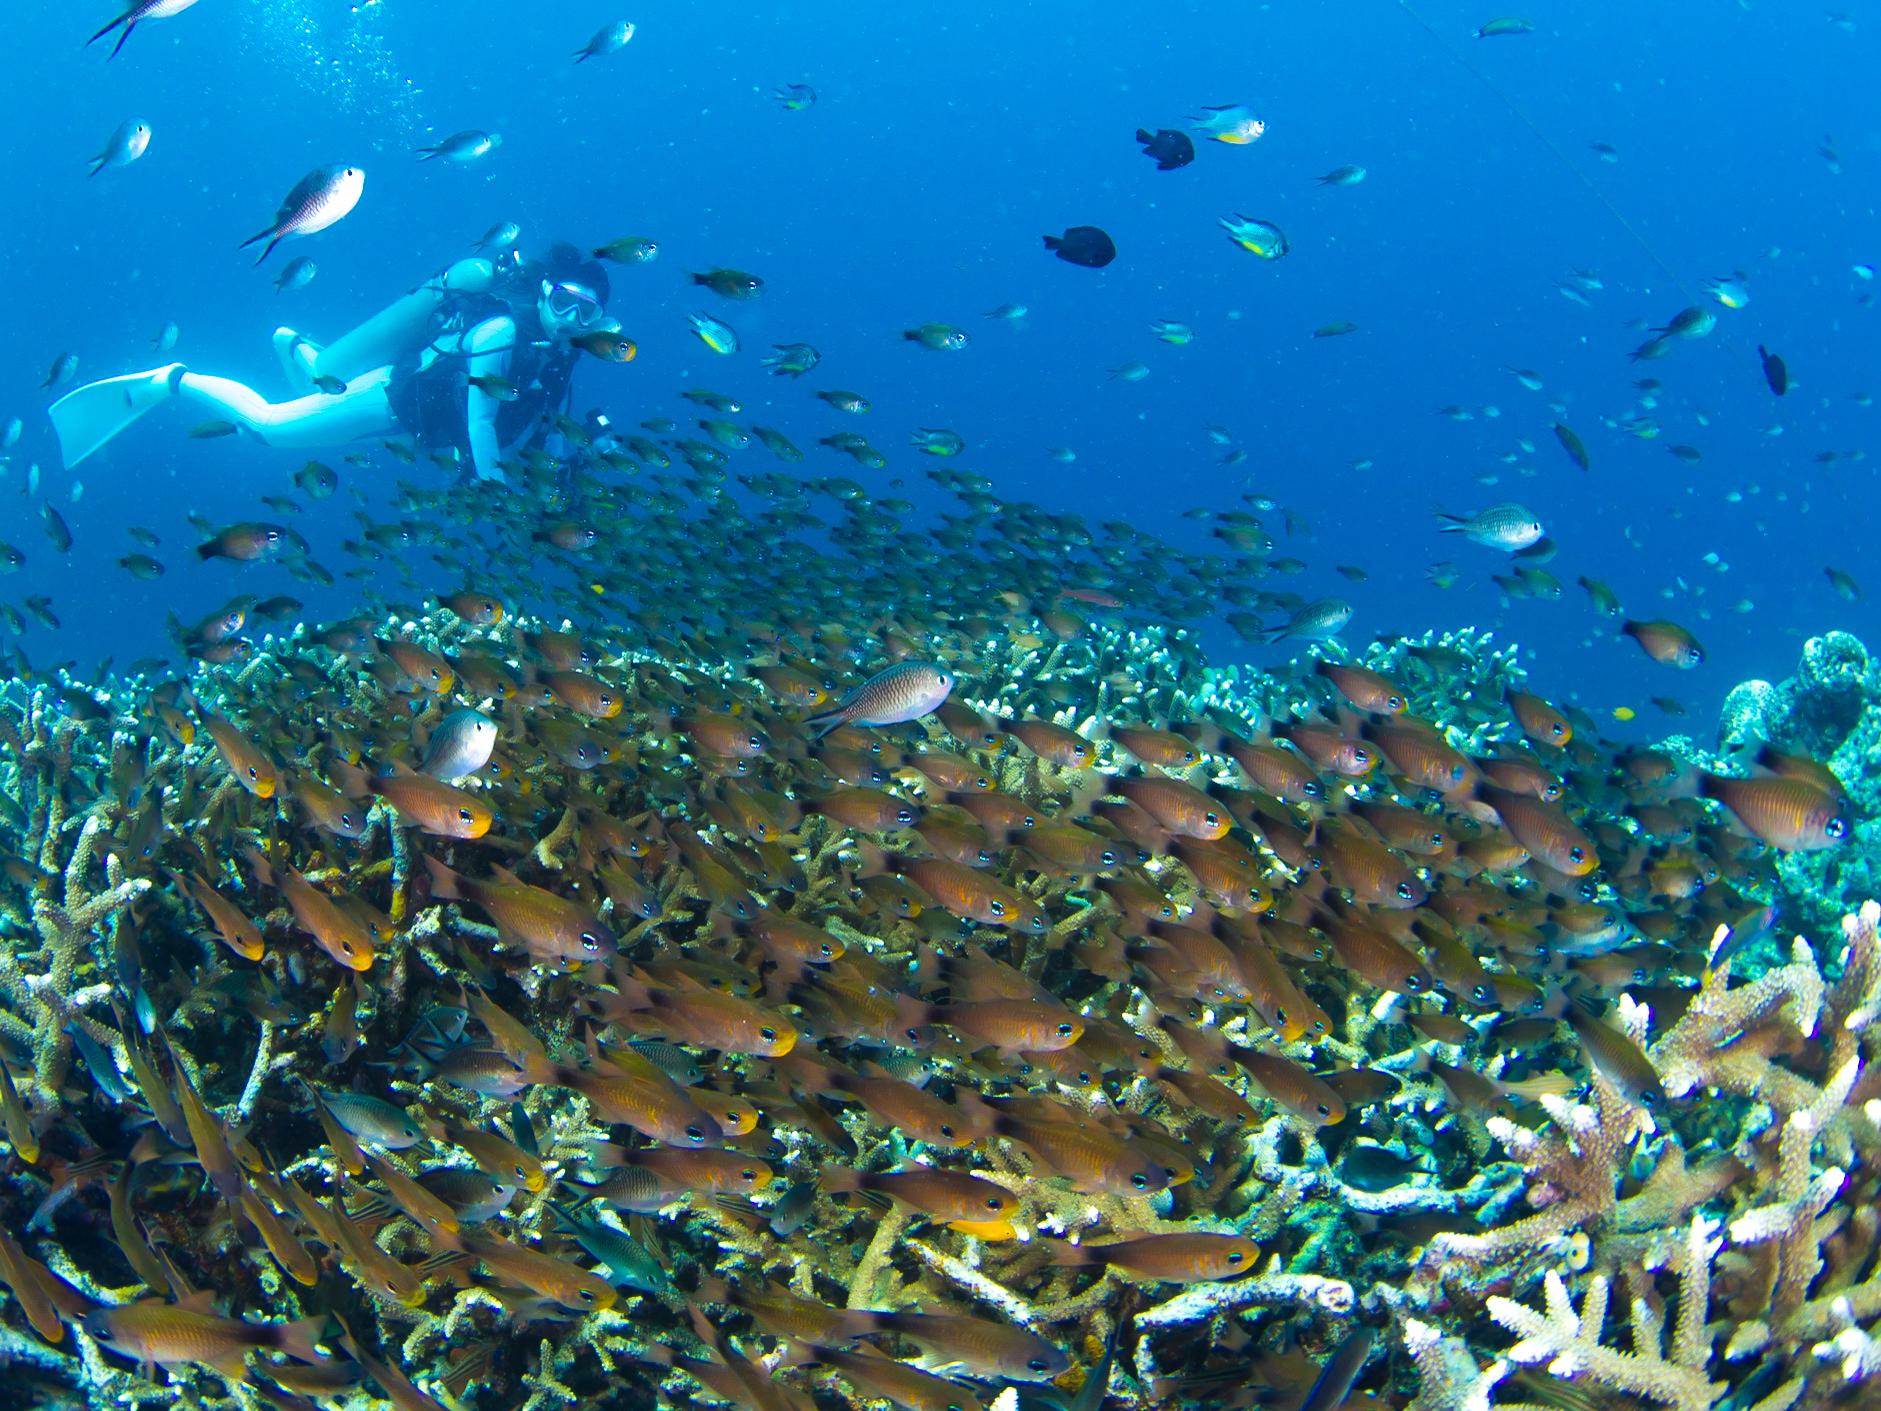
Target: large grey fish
x: 905, y: 691
x: 460, y: 745
x: 323, y: 197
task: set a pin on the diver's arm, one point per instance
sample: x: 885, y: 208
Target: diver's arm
x: 487, y: 348
x: 404, y: 326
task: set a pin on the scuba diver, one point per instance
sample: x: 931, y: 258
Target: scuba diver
x: 475, y: 360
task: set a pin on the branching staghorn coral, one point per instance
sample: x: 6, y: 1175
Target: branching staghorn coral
x: 1770, y: 1244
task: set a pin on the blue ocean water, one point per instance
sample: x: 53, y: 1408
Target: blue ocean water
x: 944, y: 143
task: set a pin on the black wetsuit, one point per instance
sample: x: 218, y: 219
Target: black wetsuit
x: 429, y: 401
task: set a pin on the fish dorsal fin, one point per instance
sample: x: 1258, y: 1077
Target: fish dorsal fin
x: 505, y: 876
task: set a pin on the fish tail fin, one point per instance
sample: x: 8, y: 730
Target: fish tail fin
x: 1453, y: 523
x: 107, y: 29
x: 1052, y: 242
x: 273, y: 235
x: 300, y: 1339
x: 823, y: 722
x: 838, y: 1179
x: 913, y: 1016
x: 1066, y: 1255
x: 446, y: 885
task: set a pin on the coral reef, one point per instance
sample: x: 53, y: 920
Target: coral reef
x: 1521, y: 1224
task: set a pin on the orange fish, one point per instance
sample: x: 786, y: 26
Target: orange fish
x: 1363, y: 688
x: 339, y: 933
x: 1180, y: 1258
x: 584, y: 694
x: 425, y: 670
x: 1791, y: 814
x: 1540, y: 721
x: 233, y: 929
x: 1180, y: 808
x: 1665, y: 642
x: 440, y: 809
x: 245, y: 759
x: 172, y: 1335
x: 1543, y: 829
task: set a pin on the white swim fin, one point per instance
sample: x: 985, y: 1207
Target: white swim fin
x: 87, y: 417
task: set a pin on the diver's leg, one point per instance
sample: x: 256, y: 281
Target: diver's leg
x: 85, y: 418
x: 404, y: 326
x: 297, y: 355
x: 361, y: 410
x: 487, y: 349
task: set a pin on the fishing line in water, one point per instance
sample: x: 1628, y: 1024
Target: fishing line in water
x: 1586, y: 181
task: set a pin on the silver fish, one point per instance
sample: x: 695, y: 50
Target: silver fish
x: 127, y: 144
x: 460, y: 745
x: 323, y: 197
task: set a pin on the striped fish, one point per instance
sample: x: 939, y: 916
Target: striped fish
x: 323, y: 197
x: 906, y: 691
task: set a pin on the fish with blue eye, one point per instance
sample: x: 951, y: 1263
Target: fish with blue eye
x: 721, y: 338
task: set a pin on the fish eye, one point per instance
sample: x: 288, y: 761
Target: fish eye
x: 1313, y: 789
x: 904, y: 815
x: 1211, y: 818
x: 1483, y: 994
x: 1394, y: 702
x: 1414, y: 983
x: 747, y: 1175
x: 1436, y: 840
x: 997, y: 907
x: 1038, y: 1364
x: 1836, y: 828
x: 1028, y: 822
x: 1066, y: 1030
x: 946, y: 1128
x: 590, y: 941
x: 346, y: 947
x: 521, y: 1174
x: 1108, y: 857
x: 756, y: 742
x: 982, y: 782
x: 346, y: 820
x: 695, y: 1133
x: 1140, y: 1181
x: 1236, y: 1257
x: 767, y: 1033
x: 585, y: 1295
x: 253, y: 773
x: 463, y: 815
x: 1577, y: 854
